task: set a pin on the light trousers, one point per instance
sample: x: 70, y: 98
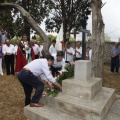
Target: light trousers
x: 1, y: 71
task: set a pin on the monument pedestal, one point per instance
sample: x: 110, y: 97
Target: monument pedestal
x: 82, y: 98
x: 82, y: 89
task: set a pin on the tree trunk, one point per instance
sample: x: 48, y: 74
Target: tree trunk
x: 98, y: 39
x: 25, y: 5
x: 31, y: 21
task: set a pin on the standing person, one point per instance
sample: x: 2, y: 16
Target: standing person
x: 16, y: 46
x: 28, y: 77
x: 3, y: 36
x: 69, y: 52
x: 40, y: 49
x: 23, y: 53
x: 35, y: 49
x: 52, y: 48
x: 59, y: 63
x: 9, y: 51
x: 89, y: 53
x: 1, y: 55
x: 78, y: 51
x: 115, y: 58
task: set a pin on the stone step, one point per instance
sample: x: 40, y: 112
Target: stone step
x: 114, y: 113
x: 83, y: 89
x: 46, y: 113
x: 95, y: 109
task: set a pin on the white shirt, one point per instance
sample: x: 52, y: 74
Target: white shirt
x: 8, y: 49
x: 40, y: 49
x: 90, y: 54
x: 25, y: 44
x: 36, y: 49
x: 80, y: 51
x: 69, y: 57
x: 3, y: 38
x: 52, y: 50
x: 58, y: 64
x: 39, y: 67
x: 16, y: 48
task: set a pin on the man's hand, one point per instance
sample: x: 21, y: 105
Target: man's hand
x: 58, y: 85
x: 50, y: 84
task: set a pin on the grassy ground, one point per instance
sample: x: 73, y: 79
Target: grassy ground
x: 110, y: 79
x: 12, y: 95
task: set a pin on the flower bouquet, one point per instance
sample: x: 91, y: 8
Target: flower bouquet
x: 65, y: 73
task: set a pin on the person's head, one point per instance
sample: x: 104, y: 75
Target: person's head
x: 68, y: 44
x: 78, y: 44
x: 7, y: 41
x: 60, y: 55
x: 39, y: 43
x: 50, y: 59
x: 32, y: 42
x: 2, y: 32
x: 88, y: 48
x: 17, y: 42
x: 54, y: 42
x: 24, y: 37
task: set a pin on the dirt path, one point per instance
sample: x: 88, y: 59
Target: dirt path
x: 12, y: 97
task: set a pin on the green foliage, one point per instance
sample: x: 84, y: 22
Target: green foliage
x: 71, y: 39
x: 6, y: 21
x: 90, y: 39
x: 14, y: 39
x: 107, y: 38
x: 51, y: 37
x: 118, y: 39
x: 38, y: 38
x: 38, y: 10
x: 66, y: 74
x: 73, y: 12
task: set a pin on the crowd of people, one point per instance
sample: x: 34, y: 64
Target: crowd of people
x: 25, y: 52
x: 26, y: 59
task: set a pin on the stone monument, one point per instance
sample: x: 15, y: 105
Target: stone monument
x: 82, y: 98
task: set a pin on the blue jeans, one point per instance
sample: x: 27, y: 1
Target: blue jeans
x: 30, y: 81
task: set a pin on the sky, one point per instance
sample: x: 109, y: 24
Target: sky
x: 111, y: 18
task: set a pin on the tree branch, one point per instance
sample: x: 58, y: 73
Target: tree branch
x: 31, y: 21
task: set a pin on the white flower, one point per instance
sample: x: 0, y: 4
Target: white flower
x: 63, y: 70
x: 56, y: 78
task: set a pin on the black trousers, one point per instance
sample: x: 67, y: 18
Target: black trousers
x: 115, y: 64
x: 78, y: 58
x: 30, y: 81
x: 36, y: 56
x: 55, y: 70
x: 9, y: 62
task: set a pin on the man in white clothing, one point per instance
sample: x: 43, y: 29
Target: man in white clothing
x: 78, y: 51
x: 40, y: 49
x: 52, y: 48
x: 69, y: 53
x: 59, y: 63
x: 28, y: 77
x: 35, y: 49
x: 9, y: 52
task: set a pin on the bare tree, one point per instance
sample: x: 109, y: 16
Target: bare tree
x: 32, y: 22
x: 98, y: 38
